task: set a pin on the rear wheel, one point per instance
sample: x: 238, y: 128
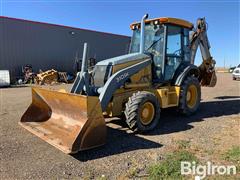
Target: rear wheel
x: 142, y: 111
x: 190, y: 95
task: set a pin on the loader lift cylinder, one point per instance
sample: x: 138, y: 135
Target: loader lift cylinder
x: 82, y: 80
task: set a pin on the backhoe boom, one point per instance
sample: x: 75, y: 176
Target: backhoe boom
x: 207, y: 68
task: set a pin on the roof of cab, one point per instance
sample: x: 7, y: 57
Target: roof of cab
x: 167, y: 20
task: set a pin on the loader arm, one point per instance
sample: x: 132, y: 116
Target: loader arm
x: 117, y: 80
x: 207, y: 68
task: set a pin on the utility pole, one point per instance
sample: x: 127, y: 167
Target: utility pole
x: 224, y: 62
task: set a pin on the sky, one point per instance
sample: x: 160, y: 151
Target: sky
x: 223, y: 18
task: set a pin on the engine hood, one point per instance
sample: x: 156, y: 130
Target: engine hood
x: 123, y: 59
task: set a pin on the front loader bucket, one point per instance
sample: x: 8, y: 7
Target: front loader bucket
x: 67, y: 121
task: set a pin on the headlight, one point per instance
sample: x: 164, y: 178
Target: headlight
x: 156, y: 22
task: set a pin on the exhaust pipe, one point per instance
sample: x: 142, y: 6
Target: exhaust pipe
x: 142, y: 41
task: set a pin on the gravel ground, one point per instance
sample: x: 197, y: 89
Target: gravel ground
x: 210, y: 132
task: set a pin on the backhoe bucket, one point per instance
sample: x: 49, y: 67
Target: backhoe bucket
x: 67, y: 121
x: 207, y: 73
x: 208, y: 79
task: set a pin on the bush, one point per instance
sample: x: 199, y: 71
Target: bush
x: 170, y: 168
x: 233, y: 154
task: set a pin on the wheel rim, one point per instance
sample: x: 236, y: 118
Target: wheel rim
x: 147, y: 113
x: 192, y: 96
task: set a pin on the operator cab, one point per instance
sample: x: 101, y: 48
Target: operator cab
x: 167, y: 41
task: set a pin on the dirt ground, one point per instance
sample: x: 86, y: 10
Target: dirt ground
x: 210, y: 132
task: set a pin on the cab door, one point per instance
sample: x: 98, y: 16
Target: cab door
x: 174, y: 51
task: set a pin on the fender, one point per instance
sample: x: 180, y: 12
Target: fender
x: 185, y: 71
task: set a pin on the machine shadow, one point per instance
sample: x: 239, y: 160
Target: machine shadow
x: 227, y: 97
x: 174, y: 122
x: 118, y: 141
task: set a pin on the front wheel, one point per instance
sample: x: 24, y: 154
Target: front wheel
x: 190, y: 96
x: 142, y: 111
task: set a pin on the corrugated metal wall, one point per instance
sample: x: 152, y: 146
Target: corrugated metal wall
x: 47, y: 46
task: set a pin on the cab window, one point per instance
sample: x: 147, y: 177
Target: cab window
x: 173, y: 51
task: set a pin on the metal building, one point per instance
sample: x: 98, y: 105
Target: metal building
x: 49, y: 46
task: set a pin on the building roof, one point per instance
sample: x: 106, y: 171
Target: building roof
x: 58, y: 25
x: 167, y: 20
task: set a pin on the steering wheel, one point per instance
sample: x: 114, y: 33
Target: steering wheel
x: 154, y: 52
x: 176, y: 52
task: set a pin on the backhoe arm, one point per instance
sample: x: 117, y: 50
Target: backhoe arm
x: 207, y: 68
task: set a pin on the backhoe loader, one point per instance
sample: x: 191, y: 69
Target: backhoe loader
x: 158, y: 73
